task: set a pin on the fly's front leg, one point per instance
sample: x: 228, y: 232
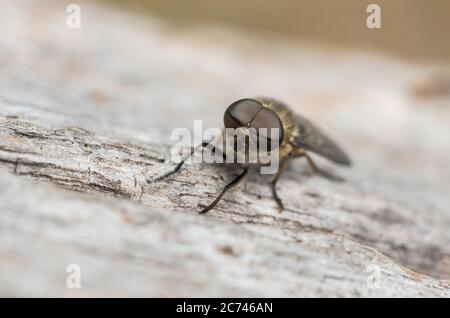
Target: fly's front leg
x: 231, y: 184
x: 274, y: 181
x: 181, y: 163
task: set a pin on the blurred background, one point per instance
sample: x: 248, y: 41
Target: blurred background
x: 412, y: 29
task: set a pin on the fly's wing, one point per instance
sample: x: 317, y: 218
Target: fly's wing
x: 311, y: 138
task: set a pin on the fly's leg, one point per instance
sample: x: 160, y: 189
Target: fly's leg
x: 273, y: 183
x: 302, y: 153
x: 230, y: 185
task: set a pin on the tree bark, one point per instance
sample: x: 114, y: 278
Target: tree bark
x: 85, y: 122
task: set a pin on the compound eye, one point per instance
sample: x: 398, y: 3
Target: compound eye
x: 267, y: 118
x: 241, y: 112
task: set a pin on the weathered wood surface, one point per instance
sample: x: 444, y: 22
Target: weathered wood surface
x: 91, y: 110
